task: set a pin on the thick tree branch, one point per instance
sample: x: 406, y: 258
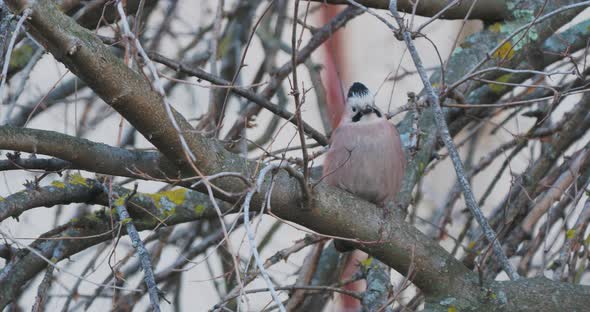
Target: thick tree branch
x: 147, y: 210
x: 86, y: 56
x: 46, y: 164
x: 178, y: 206
x: 178, y: 203
x: 488, y: 10
x: 85, y: 154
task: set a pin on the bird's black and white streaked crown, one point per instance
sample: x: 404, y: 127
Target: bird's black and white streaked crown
x: 361, y: 103
x: 357, y: 90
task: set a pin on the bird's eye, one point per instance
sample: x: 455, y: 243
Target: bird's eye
x: 354, y: 109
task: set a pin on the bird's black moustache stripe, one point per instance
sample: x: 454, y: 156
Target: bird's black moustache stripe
x: 357, y: 117
x: 377, y: 112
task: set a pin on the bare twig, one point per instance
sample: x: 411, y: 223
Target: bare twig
x: 142, y: 252
x: 307, y: 288
x: 23, y: 18
x: 157, y: 82
x: 252, y: 239
x: 282, y: 254
x: 298, y: 103
x: 45, y: 285
x: 514, y: 33
x: 379, y: 17
x: 447, y: 139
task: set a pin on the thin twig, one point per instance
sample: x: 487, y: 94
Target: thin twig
x: 21, y: 87
x: 159, y: 87
x: 252, y: 239
x: 26, y: 13
x: 41, y: 299
x: 446, y: 137
x: 379, y: 17
x: 308, y: 288
x: 514, y: 33
x: 298, y: 103
x: 282, y: 254
x: 142, y: 252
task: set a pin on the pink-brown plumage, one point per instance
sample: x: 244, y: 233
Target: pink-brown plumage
x: 366, y: 159
x: 366, y: 156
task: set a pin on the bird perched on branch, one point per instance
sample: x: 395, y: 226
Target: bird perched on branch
x: 365, y: 156
x: 366, y: 159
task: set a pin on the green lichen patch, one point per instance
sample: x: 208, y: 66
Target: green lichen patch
x: 120, y: 201
x: 367, y: 262
x: 499, y: 88
x: 20, y: 56
x: 77, y: 179
x: 496, y: 27
x: 199, y: 209
x: 505, y: 52
x: 570, y: 233
x: 168, y: 200
x: 421, y: 167
x: 58, y: 184
x: 471, y: 246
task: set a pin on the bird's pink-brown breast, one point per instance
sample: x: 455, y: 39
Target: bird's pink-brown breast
x: 366, y: 159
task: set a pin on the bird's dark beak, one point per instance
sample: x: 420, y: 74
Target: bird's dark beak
x: 367, y: 110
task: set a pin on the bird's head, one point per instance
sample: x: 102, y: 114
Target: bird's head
x: 360, y: 105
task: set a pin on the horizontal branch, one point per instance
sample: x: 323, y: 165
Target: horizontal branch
x: 84, y: 154
x: 148, y: 211
x: 179, y: 204
x: 488, y: 10
x: 45, y: 164
x: 58, y: 193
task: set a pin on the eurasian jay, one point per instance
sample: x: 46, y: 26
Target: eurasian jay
x: 365, y: 156
x: 366, y: 159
